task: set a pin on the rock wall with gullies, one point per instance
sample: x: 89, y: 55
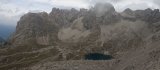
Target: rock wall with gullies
x: 64, y: 17
x: 147, y: 15
x: 42, y: 28
x: 35, y: 28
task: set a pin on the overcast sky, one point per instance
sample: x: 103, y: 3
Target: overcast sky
x: 11, y: 10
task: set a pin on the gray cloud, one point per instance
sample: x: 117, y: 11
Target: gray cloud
x: 120, y: 5
x: 157, y: 2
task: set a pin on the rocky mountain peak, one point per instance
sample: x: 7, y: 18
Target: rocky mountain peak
x: 33, y: 27
x: 128, y: 11
x: 103, y: 8
x: 148, y: 10
x: 148, y: 15
x: 42, y: 28
x: 131, y: 38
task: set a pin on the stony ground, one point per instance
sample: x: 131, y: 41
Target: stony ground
x: 75, y: 65
x: 143, y: 58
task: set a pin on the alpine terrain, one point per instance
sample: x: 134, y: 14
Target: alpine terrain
x: 99, y: 38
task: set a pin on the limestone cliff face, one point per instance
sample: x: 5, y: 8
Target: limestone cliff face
x: 35, y: 28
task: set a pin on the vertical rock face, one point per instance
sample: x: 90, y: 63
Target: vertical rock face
x: 63, y: 17
x: 35, y: 28
x: 147, y: 15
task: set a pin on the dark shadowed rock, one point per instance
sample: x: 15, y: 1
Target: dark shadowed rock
x: 148, y: 15
x: 2, y: 41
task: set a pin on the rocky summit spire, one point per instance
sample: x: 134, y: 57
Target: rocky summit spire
x: 103, y: 8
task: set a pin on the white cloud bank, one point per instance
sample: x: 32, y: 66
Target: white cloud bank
x: 11, y: 10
